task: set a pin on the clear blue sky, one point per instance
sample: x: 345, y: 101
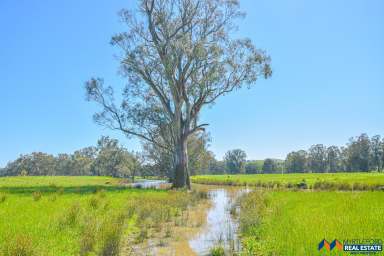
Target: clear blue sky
x: 328, y: 81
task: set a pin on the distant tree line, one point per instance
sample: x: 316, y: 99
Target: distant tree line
x: 361, y: 153
x: 109, y: 158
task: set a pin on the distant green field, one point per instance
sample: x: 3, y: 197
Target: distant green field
x: 360, y: 179
x: 79, y: 215
x: 78, y: 184
x: 61, y: 181
x: 293, y: 223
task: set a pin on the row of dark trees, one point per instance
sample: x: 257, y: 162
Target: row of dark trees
x: 235, y: 162
x: 359, y: 154
x: 108, y: 158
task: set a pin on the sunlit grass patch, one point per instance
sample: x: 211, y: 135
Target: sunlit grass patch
x: 293, y: 223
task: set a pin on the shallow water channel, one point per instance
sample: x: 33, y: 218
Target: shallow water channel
x: 220, y: 227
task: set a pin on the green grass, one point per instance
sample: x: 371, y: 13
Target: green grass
x: 61, y: 181
x: 293, y: 223
x: 345, y: 181
x: 79, y: 215
x: 73, y: 184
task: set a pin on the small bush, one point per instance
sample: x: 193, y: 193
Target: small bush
x: 36, y: 195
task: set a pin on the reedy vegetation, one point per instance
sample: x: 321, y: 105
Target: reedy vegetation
x: 315, y: 181
x: 93, y: 220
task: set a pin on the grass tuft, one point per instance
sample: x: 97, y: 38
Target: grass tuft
x: 70, y: 216
x: 3, y: 196
x: 217, y: 251
x: 88, y: 237
x: 111, y: 234
x: 94, y: 202
x: 19, y: 245
x: 36, y: 195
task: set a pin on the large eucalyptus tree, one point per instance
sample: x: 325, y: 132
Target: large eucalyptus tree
x: 178, y: 57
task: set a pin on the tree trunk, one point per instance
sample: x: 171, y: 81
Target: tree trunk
x: 133, y: 177
x: 181, y: 178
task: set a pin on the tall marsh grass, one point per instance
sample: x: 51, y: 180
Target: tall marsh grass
x: 317, y: 181
x: 80, y: 219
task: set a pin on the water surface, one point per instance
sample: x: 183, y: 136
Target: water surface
x: 221, y: 228
x: 149, y: 183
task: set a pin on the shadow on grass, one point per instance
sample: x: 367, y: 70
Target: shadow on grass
x: 85, y: 189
